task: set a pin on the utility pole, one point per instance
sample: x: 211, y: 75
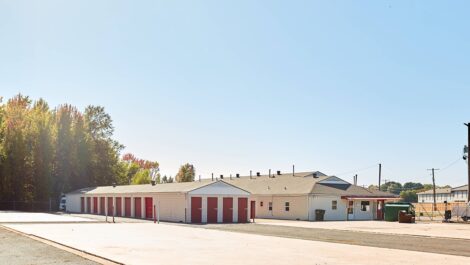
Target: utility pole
x: 434, y: 188
x: 380, y: 174
x: 468, y: 164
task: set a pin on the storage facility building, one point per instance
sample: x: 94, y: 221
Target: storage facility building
x: 189, y: 202
x: 295, y: 196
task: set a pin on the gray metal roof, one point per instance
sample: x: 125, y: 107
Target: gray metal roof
x: 301, y: 183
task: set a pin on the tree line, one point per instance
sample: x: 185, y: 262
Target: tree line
x: 45, y: 152
x: 408, y: 191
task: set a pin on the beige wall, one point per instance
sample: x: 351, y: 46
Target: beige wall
x: 298, y: 206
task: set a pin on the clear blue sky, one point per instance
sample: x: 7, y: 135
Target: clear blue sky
x: 231, y: 86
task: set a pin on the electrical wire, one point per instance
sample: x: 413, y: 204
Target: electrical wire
x: 451, y: 164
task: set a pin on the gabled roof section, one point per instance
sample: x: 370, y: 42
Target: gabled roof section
x: 283, y: 184
x: 333, y: 180
x: 460, y: 188
x: 220, y: 188
x: 342, y: 189
x: 438, y: 191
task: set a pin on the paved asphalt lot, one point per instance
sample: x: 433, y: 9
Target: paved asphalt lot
x: 450, y: 246
x: 266, y: 242
x: 149, y: 243
x: 16, y: 249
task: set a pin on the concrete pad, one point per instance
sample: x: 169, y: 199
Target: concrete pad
x: 433, y: 229
x: 147, y: 243
x: 23, y: 217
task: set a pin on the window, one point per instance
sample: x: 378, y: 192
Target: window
x: 270, y: 206
x: 287, y: 206
x: 365, y: 206
x: 261, y: 204
x: 334, y: 205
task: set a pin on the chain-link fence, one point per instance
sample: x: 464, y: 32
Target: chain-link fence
x: 30, y: 206
x: 460, y: 211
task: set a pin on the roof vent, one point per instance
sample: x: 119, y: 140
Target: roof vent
x: 278, y: 172
x: 258, y: 174
x: 153, y: 182
x: 114, y: 184
x: 221, y: 176
x: 237, y: 175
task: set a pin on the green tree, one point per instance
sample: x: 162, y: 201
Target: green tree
x: 142, y: 177
x: 186, y: 173
x: 392, y: 187
x: 41, y: 142
x: 409, y: 196
x: 412, y: 186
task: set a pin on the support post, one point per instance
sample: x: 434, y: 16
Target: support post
x: 380, y: 174
x: 468, y: 163
x: 434, y: 189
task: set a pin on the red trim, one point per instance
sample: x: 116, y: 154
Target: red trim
x: 368, y: 198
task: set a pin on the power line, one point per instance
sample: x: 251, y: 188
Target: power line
x: 451, y: 164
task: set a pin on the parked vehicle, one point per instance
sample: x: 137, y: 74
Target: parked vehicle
x: 62, y: 203
x: 462, y: 212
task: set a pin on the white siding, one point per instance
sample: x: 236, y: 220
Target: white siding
x: 325, y: 203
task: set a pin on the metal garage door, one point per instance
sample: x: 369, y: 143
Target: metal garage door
x: 196, y: 209
x: 95, y: 205
x: 228, y: 210
x: 253, y: 210
x: 118, y: 206
x: 212, y: 209
x: 88, y: 205
x: 82, y: 204
x: 110, y: 206
x: 102, y: 205
x: 127, y: 207
x: 148, y: 208
x: 242, y: 210
x: 138, y: 207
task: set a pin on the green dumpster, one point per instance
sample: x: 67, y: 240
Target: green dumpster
x: 392, y: 210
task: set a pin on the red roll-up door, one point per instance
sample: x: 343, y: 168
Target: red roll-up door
x: 102, y: 205
x: 253, y: 210
x: 138, y: 207
x: 82, y: 204
x: 127, y: 207
x: 110, y: 206
x: 196, y: 209
x: 118, y: 206
x: 148, y: 208
x: 212, y: 210
x: 88, y: 205
x: 95, y: 205
x: 228, y: 210
x: 242, y: 210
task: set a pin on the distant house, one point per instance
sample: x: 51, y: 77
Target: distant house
x: 457, y: 194
x: 298, y: 196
